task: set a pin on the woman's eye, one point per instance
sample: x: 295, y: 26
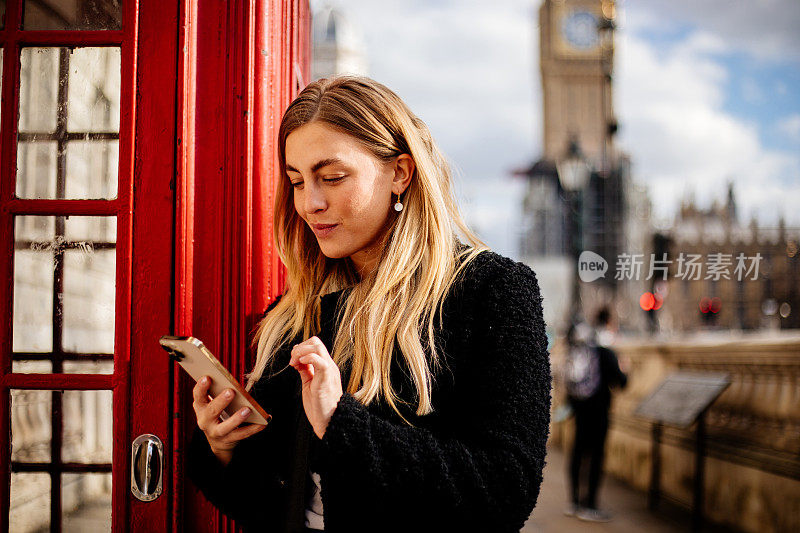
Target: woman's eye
x: 298, y: 184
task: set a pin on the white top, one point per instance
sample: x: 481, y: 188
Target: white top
x: 314, y: 506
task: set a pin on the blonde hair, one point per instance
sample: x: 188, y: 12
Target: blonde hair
x: 418, y: 263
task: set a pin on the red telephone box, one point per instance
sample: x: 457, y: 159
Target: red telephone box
x: 137, y: 170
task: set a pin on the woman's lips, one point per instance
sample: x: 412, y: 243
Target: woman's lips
x: 323, y: 230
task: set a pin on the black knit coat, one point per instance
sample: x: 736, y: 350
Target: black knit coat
x: 474, y: 464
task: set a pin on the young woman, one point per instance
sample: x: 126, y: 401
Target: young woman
x: 407, y: 373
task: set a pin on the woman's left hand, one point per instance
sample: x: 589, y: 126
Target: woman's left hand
x: 322, y: 382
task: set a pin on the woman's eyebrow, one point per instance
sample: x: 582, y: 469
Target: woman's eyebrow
x: 319, y: 164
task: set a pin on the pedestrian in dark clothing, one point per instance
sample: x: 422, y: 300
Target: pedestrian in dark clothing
x: 592, y: 370
x: 420, y: 397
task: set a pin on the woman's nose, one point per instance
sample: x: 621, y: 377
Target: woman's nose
x: 315, y: 199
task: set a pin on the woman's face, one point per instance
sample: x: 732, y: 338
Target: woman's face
x: 342, y: 191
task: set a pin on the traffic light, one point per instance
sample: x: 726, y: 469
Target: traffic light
x: 651, y: 301
x: 709, y: 307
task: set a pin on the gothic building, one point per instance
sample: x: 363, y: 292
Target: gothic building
x: 745, y: 276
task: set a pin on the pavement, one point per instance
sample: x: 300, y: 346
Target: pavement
x: 627, y: 506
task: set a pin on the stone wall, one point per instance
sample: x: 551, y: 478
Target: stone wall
x: 752, y: 470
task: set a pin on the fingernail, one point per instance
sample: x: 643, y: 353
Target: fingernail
x: 229, y: 393
x: 245, y: 411
x: 204, y: 380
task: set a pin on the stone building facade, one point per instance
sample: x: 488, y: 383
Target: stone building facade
x: 752, y: 271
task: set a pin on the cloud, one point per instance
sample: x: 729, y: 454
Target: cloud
x: 680, y: 137
x: 766, y: 30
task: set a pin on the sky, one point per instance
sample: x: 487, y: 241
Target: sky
x: 705, y: 93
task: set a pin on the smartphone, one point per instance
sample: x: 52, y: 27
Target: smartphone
x: 198, y: 361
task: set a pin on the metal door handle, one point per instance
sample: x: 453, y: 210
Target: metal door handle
x: 147, y: 461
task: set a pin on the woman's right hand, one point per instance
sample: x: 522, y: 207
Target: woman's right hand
x: 222, y: 435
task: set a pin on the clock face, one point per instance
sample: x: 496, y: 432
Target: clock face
x: 579, y: 29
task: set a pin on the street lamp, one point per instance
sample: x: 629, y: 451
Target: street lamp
x: 573, y: 174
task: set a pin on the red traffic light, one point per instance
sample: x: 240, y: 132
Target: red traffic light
x: 710, y: 305
x: 650, y: 302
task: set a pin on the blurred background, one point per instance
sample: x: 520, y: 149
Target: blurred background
x: 701, y: 120
x: 643, y: 156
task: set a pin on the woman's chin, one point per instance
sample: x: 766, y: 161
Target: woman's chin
x: 330, y: 251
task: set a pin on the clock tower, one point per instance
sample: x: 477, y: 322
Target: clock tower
x: 576, y: 62
x: 580, y: 196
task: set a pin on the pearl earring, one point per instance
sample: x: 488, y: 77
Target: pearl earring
x: 398, y: 206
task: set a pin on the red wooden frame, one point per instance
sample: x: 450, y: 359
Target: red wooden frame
x: 183, y: 301
x: 204, y: 209
x: 240, y: 66
x: 151, y: 373
x: 12, y: 38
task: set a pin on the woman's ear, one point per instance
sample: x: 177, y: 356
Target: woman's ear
x: 404, y: 167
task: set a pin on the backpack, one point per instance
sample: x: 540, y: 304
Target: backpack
x: 582, y: 371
